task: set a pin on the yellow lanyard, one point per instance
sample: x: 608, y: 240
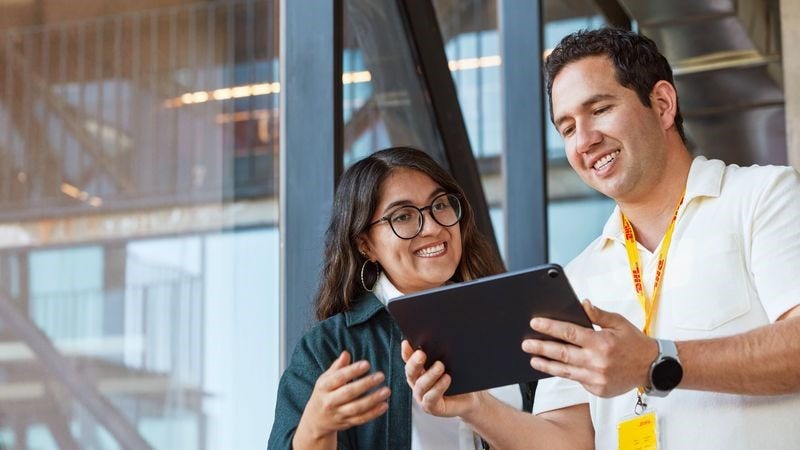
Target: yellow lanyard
x: 650, y: 306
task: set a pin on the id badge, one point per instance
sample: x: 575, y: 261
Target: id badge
x: 638, y: 432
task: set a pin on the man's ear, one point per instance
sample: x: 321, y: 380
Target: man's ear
x: 664, y: 98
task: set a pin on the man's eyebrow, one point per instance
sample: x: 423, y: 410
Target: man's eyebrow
x: 405, y: 202
x: 586, y: 103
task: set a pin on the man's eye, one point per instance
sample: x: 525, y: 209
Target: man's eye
x: 567, y: 131
x: 601, y: 110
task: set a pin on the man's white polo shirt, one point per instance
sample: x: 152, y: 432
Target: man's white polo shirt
x: 733, y: 265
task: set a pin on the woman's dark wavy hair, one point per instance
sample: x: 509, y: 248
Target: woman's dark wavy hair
x: 638, y: 63
x: 354, y: 205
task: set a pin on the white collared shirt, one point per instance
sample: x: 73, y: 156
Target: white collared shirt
x: 733, y: 265
x: 431, y: 432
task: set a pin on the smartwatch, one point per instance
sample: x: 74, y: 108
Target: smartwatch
x: 666, y: 371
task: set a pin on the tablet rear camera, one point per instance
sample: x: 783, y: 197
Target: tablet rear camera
x: 552, y: 273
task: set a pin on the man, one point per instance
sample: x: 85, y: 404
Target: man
x: 696, y: 272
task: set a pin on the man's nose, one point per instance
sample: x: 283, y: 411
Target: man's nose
x: 586, y: 136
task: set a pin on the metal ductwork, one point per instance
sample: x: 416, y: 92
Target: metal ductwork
x: 726, y: 55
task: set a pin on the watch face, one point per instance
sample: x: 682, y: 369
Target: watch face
x: 667, y: 374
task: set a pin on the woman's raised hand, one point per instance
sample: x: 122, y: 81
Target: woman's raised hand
x: 341, y: 399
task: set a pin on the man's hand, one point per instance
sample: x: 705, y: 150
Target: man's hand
x: 428, y: 386
x: 607, y: 362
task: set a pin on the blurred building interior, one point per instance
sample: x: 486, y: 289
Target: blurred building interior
x: 141, y: 173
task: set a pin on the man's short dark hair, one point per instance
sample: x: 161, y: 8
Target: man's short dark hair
x: 638, y: 63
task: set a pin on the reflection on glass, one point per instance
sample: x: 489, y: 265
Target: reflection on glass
x: 387, y: 107
x: 138, y: 224
x: 576, y: 213
x: 470, y: 33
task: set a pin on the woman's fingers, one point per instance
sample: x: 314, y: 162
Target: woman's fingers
x: 355, y: 389
x: 427, y: 380
x: 415, y: 367
x: 434, y: 396
x: 341, y: 361
x: 373, y: 413
x: 346, y: 395
x: 363, y: 405
x: 405, y: 350
x: 336, y: 377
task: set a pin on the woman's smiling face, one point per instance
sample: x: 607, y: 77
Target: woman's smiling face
x: 429, y: 259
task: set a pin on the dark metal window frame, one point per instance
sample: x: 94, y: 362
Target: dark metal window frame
x: 310, y: 153
x: 525, y: 157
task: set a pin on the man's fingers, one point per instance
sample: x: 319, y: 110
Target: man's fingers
x: 595, y: 382
x: 556, y: 351
x: 560, y: 369
x: 565, y: 331
x: 601, y: 317
x: 587, y: 308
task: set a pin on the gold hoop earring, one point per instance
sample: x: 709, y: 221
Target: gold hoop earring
x: 377, y: 272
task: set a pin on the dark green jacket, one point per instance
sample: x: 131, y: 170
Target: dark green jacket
x: 368, y: 332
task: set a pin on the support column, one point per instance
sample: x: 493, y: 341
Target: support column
x: 790, y: 33
x: 310, y: 152
x: 525, y: 153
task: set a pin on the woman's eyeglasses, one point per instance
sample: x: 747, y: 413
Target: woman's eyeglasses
x: 407, y: 222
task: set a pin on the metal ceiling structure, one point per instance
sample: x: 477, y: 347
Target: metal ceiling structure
x: 726, y: 55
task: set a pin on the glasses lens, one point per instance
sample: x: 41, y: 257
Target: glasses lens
x: 446, y: 209
x: 405, y: 222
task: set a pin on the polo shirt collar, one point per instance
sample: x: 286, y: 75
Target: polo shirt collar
x: 704, y: 180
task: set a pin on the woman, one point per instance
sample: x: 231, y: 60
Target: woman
x: 400, y: 224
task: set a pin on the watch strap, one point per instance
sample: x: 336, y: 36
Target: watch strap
x: 666, y: 350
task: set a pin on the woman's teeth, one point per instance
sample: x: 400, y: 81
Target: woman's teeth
x: 431, y: 251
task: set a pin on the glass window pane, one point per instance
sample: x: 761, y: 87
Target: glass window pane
x: 470, y: 32
x: 138, y: 223
x: 575, y: 213
x: 470, y: 35
x: 384, y: 100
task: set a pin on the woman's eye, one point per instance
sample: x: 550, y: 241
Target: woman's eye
x: 439, y: 206
x: 401, y: 218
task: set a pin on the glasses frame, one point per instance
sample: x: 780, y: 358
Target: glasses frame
x: 422, y: 215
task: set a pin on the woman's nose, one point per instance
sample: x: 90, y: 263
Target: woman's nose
x: 429, y: 225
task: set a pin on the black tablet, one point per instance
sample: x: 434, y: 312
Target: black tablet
x: 476, y: 328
